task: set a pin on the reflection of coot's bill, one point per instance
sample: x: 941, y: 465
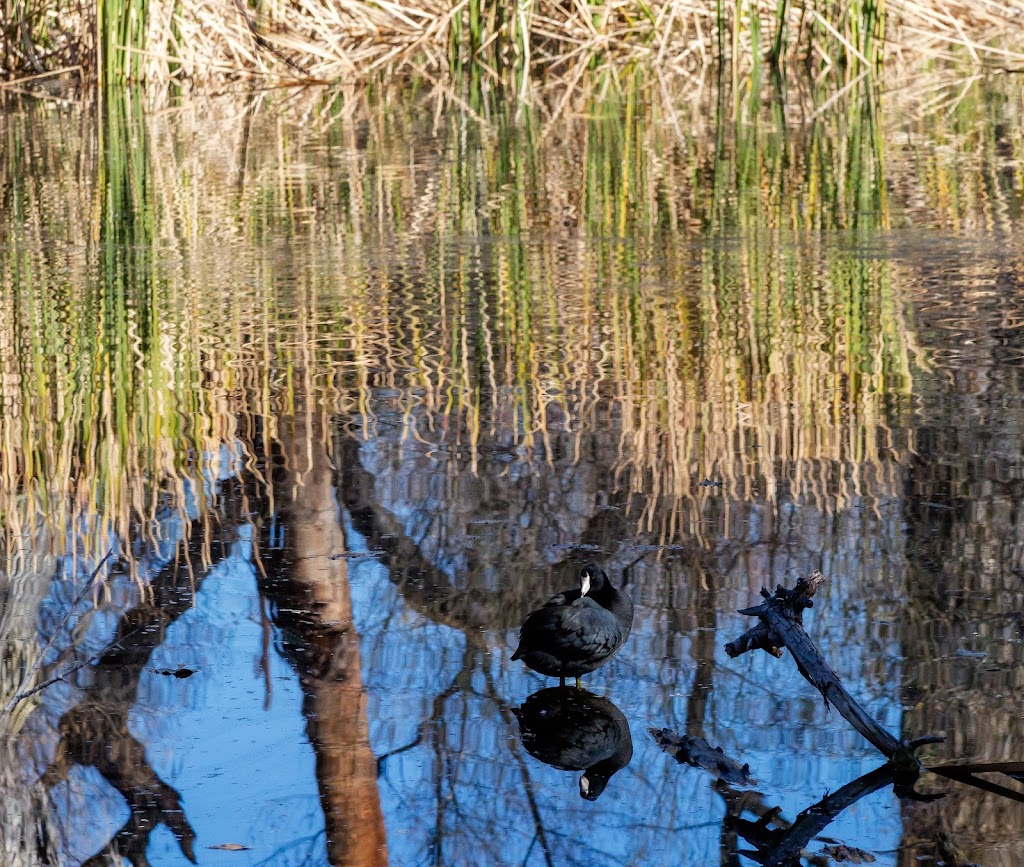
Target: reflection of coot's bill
x: 575, y: 730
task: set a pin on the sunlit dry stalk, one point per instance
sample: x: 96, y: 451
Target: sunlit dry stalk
x: 329, y: 40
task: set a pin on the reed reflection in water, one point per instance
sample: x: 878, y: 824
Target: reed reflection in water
x: 367, y: 390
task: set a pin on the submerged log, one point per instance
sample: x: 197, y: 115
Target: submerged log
x: 698, y: 753
x: 781, y: 625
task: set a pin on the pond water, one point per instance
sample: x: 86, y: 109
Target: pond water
x: 308, y: 400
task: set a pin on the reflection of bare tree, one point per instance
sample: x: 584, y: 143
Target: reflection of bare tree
x: 447, y: 525
x: 476, y: 542
x: 493, y: 583
x: 965, y: 563
x: 26, y: 837
x: 307, y: 581
x: 95, y: 731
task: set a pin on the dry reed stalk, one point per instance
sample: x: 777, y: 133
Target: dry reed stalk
x: 332, y: 40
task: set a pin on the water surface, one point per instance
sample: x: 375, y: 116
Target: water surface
x: 329, y: 395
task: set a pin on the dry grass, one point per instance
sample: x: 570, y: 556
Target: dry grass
x: 342, y: 40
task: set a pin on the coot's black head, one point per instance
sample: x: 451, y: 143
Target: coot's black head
x: 593, y: 581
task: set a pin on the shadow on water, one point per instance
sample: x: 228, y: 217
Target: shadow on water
x: 347, y: 401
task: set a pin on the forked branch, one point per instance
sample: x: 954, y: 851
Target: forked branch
x: 780, y: 625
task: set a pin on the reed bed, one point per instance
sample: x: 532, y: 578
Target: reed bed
x: 552, y: 42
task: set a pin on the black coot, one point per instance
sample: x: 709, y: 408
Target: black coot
x: 578, y: 630
x: 575, y: 730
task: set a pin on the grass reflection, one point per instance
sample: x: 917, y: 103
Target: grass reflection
x: 514, y: 274
x: 508, y: 275
x: 601, y: 290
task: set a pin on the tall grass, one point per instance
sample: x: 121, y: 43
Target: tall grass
x: 558, y: 42
x: 121, y: 28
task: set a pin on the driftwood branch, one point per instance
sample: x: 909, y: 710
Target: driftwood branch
x: 968, y: 775
x: 783, y: 847
x: 698, y: 753
x: 778, y: 843
x: 781, y: 625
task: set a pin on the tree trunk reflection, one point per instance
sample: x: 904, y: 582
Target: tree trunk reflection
x: 310, y: 592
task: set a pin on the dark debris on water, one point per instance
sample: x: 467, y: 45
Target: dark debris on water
x: 698, y: 753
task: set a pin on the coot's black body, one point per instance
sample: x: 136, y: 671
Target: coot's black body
x: 578, y: 630
x: 575, y: 730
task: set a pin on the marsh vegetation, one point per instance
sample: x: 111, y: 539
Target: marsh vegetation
x: 523, y: 45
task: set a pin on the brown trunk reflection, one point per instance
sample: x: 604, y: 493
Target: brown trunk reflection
x: 312, y: 604
x: 965, y: 543
x: 95, y: 732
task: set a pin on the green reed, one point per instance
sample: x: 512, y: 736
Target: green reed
x: 121, y: 36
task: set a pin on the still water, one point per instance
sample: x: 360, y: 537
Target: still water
x: 306, y: 401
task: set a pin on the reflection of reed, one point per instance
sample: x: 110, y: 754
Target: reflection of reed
x: 515, y: 296
x: 760, y: 365
x: 769, y: 361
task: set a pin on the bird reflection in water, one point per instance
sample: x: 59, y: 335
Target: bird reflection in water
x: 575, y: 730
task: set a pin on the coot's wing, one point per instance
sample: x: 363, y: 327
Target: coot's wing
x: 582, y: 630
x: 540, y: 620
x: 564, y: 598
